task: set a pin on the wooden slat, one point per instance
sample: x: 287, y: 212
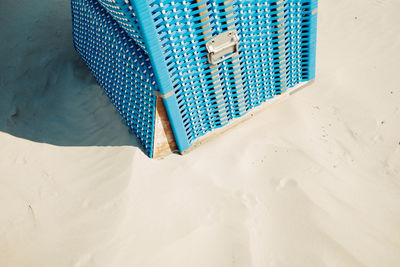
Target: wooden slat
x: 164, y: 140
x: 282, y: 45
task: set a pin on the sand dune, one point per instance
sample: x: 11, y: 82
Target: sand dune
x: 312, y: 181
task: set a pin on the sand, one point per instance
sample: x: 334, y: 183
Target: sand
x: 311, y: 181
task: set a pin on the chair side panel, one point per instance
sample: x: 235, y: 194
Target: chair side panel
x: 119, y: 65
x: 276, y: 52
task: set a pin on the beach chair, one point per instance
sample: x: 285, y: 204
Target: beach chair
x: 178, y: 70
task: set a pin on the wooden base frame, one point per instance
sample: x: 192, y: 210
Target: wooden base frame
x: 164, y: 141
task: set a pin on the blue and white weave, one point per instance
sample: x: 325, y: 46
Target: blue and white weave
x: 136, y: 48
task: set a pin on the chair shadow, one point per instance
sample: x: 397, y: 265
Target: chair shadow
x: 47, y: 94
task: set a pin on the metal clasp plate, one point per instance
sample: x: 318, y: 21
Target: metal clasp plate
x: 223, y: 46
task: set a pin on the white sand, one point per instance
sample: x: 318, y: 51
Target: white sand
x: 313, y: 181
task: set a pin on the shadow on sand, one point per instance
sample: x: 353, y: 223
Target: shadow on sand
x: 47, y: 94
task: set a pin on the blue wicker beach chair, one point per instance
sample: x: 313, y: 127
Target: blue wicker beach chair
x: 204, y: 62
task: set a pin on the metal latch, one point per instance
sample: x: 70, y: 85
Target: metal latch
x: 223, y: 46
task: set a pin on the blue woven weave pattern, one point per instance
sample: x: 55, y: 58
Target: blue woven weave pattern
x: 121, y: 11
x: 120, y: 66
x: 276, y: 52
